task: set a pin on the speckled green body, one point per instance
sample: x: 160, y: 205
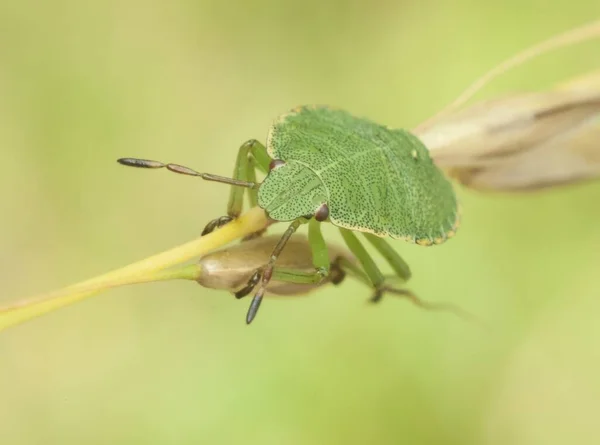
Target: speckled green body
x: 373, y: 179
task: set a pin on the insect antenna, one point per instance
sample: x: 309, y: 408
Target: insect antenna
x: 176, y: 168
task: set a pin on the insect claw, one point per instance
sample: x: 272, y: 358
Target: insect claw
x: 377, y: 296
x: 216, y: 223
x: 242, y: 292
x: 337, y: 276
x: 336, y: 273
x: 252, y: 282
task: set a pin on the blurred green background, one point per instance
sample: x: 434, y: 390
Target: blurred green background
x: 83, y: 83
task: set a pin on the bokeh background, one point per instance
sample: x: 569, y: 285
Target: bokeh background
x: 83, y: 83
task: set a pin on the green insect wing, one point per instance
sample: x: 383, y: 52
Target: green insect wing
x: 373, y: 179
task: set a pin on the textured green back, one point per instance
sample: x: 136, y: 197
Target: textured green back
x: 291, y: 191
x: 377, y: 179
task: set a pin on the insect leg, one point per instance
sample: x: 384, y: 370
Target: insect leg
x: 377, y: 279
x: 297, y: 276
x: 373, y: 273
x: 320, y: 261
x: 267, y: 271
x: 215, y: 224
x: 252, y: 155
x: 249, y: 287
x: 337, y: 273
x: 375, y: 276
x: 253, y: 193
x: 343, y: 266
x: 294, y: 276
x: 249, y: 149
x: 383, y: 247
x: 318, y: 246
x: 339, y: 268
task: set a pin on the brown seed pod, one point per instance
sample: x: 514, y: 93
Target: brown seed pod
x: 231, y: 268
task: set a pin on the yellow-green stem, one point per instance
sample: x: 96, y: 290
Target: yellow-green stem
x: 142, y: 271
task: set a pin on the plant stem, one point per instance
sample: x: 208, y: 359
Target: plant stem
x: 146, y: 270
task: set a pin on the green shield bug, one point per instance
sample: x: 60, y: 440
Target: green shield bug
x: 325, y: 165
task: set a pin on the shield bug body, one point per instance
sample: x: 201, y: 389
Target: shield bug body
x: 325, y: 165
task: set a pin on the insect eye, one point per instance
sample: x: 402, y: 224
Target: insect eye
x: 276, y: 163
x: 322, y: 213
